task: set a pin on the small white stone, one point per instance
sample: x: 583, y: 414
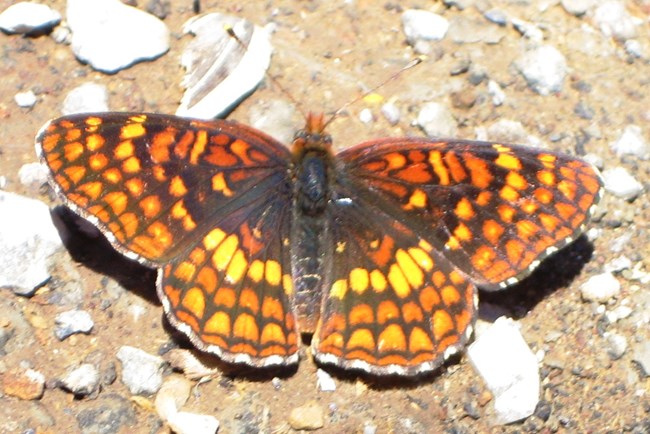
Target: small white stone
x: 71, y: 322
x: 617, y: 345
x: 437, y: 121
x: 621, y: 184
x: 497, y: 94
x: 173, y: 395
x: 391, y: 112
x: 32, y: 174
x: 423, y: 25
x: 192, y: 423
x: 25, y: 99
x: 634, y: 48
x: 600, y: 288
x: 577, y: 7
x: 544, y: 68
x: 614, y: 20
x: 83, y: 380
x: 618, y: 313
x: 86, y: 98
x: 325, y: 381
x: 141, y: 371
x: 27, y: 17
x: 618, y: 264
x: 631, y: 142
x: 366, y: 116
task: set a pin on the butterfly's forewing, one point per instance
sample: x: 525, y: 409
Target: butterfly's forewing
x: 205, y: 202
x: 495, y: 211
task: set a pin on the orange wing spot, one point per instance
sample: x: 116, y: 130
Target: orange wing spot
x: 568, y: 189
x: 245, y: 327
x: 543, y: 195
x: 429, y: 299
x: 435, y: 159
x: 117, y: 200
x: 150, y: 206
x: 483, y: 198
x: 50, y: 141
x: 213, y: 239
x: 509, y: 194
x: 546, y: 177
x: 207, y: 278
x: 438, y: 278
x: 240, y: 148
x: 131, y: 165
x: 395, y: 160
x: 198, y: 147
x: 589, y: 181
x: 378, y: 281
x: 422, y: 258
x: 516, y: 181
x: 568, y: 173
x: 256, y: 271
x: 92, y: 189
x: 450, y: 295
x: 97, y: 161
x: 412, y: 312
x: 417, y: 200
x: 393, y: 359
x: 332, y: 344
x: 339, y: 289
x: 462, y: 232
x: 159, y: 173
x: 585, y: 202
x: 392, y: 339
x: 272, y: 308
x: 161, y: 234
x: 124, y: 150
x: 220, y: 156
x: 273, y: 333
x: 492, y: 231
x: 135, y: 186
x: 442, y: 323
x: 387, y: 311
x: 102, y: 214
x: 73, y: 150
x: 526, y: 229
x: 218, y: 323
x: 248, y: 299
x: 225, y: 297
x: 197, y: 255
x: 458, y: 172
x: 410, y: 268
x: 112, y: 175
x: 515, y: 250
x: 359, y: 280
x: 54, y: 162
x: 506, y: 213
x: 415, y: 174
x: 547, y: 160
x: 383, y: 253
x: 273, y: 272
x: 245, y: 348
x: 159, y: 147
x: 508, y: 161
x: 219, y: 184
x: 565, y: 210
x: 452, y: 243
x: 72, y: 134
x: 287, y: 284
x: 419, y: 341
x: 188, y: 320
x: 361, y: 314
x: 194, y: 301
x: 478, y: 170
x: 178, y: 210
x: 223, y: 254
x: 220, y: 139
x: 464, y: 209
x: 173, y: 294
x: 237, y: 267
x: 130, y: 131
x: 550, y: 222
x: 361, y: 338
x: 75, y: 173
x: 483, y: 258
x: 130, y: 223
x: 398, y: 281
x: 95, y: 142
x: 528, y: 206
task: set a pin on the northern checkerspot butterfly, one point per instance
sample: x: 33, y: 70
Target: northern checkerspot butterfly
x: 376, y: 250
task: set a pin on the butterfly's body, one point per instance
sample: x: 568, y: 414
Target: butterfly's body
x: 377, y: 250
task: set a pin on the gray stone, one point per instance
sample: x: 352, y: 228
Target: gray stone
x: 614, y: 20
x: 72, y: 322
x: 110, y: 414
x: 32, y: 175
x: 642, y: 356
x: 600, y: 288
x: 83, y: 380
x: 631, y: 142
x: 463, y: 30
x: 577, y: 7
x: 616, y: 345
x: 275, y: 119
x: 28, y: 17
x: 309, y: 416
x: 436, y: 120
x: 86, y: 98
x: 141, y: 372
x: 544, y: 69
x: 621, y: 184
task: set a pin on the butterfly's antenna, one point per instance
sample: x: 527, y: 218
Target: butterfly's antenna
x: 408, y: 66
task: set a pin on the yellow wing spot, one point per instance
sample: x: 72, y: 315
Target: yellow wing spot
x: 92, y: 189
x: 464, y: 209
x: 419, y: 341
x: 256, y: 271
x: 124, y: 150
x: 75, y: 173
x: 452, y: 243
x: 425, y: 246
x: 112, y: 175
x: 398, y: 281
x: 213, y: 239
x: 237, y: 267
x: 392, y: 339
x: 500, y: 148
x: 198, y: 147
x: 161, y: 234
x: 417, y: 200
x: 95, y: 142
x: 223, y: 254
x: 340, y: 246
x: 462, y: 232
x: 506, y: 213
x: 135, y: 186
x: 435, y: 158
x: 528, y: 206
x: 359, y: 280
x: 219, y: 184
x: 450, y: 295
x: 339, y: 289
x: 442, y: 324
x: 117, y: 200
x: 492, y: 231
x: 287, y: 284
x: 245, y: 327
x: 508, y: 193
x: 131, y: 165
x: 516, y: 181
x: 178, y: 210
x: 131, y: 131
x: 547, y: 160
x: 93, y: 121
x: 361, y: 338
x: 410, y: 268
x: 508, y: 161
x: 422, y: 258
x: 150, y: 206
x: 546, y: 177
x: 273, y: 272
x: 378, y: 281
x: 219, y: 324
x: 568, y: 189
x: 272, y: 333
x: 194, y: 301
x: 97, y: 161
x: 395, y: 160
x: 72, y: 151
x: 483, y: 198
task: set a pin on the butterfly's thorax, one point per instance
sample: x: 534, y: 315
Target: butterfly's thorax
x: 311, y: 175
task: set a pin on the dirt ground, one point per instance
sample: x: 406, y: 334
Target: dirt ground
x: 326, y: 51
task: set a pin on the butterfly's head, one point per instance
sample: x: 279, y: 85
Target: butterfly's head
x: 312, y: 137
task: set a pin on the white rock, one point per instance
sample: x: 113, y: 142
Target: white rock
x: 631, y: 142
x: 32, y: 175
x: 528, y: 30
x: 141, y: 371
x: 436, y: 120
x: 497, y: 94
x: 620, y: 183
x: 544, y: 68
x: 617, y: 345
x: 600, y: 288
x: 642, y: 356
x: 219, y: 71
x: 325, y: 381
x: 391, y: 112
x: 618, y: 313
x: 72, y: 322
x: 83, y: 380
x: 86, y: 98
x: 577, y: 7
x: 28, y: 17
x: 366, y: 116
x: 173, y: 395
x: 275, y: 118
x: 27, y: 239
x: 423, y: 25
x: 191, y: 423
x: 614, y: 20
x: 25, y: 99
x: 110, y: 36
x: 509, y: 368
x: 634, y: 48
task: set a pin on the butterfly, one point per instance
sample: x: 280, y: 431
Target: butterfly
x: 377, y: 250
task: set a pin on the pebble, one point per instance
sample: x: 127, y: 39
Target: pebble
x: 391, y: 113
x: 496, y: 16
x: 275, y: 118
x: 82, y: 381
x: 192, y: 423
x: 25, y: 99
x: 642, y: 356
x: 463, y: 30
x: 528, y: 30
x: 497, y: 94
x: 634, y: 48
x: 544, y: 69
x: 72, y: 322
x: 109, y: 414
x: 111, y: 36
x: 369, y: 428
x: 28, y: 17
x: 621, y: 184
x: 600, y: 288
x: 616, y: 345
x: 87, y: 98
x: 141, y: 372
x: 577, y: 7
x: 309, y: 416
x: 325, y: 381
x: 436, y: 120
x: 509, y: 368
x: 25, y: 384
x: 423, y: 25
x: 614, y: 20
x: 618, y: 264
x: 631, y: 142
x: 173, y: 395
x: 32, y: 175
x: 366, y: 116
x: 219, y: 71
x: 27, y: 239
x: 509, y: 131
x: 618, y: 313
x: 186, y: 362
